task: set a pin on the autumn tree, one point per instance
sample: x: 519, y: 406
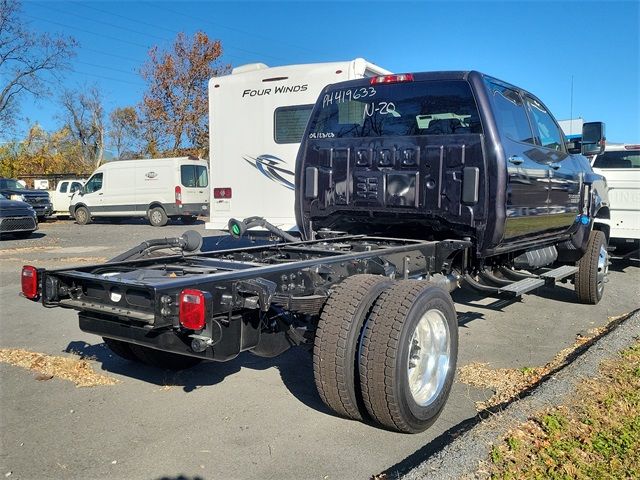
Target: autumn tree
x: 124, y: 132
x: 174, y: 107
x: 41, y: 152
x: 83, y: 115
x: 28, y: 61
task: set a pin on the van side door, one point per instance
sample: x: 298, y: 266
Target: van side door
x: 564, y: 171
x: 528, y: 174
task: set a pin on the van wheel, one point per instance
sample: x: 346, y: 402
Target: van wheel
x: 408, y: 356
x: 157, y: 217
x: 165, y: 360
x: 335, y: 350
x: 592, y: 269
x: 82, y: 216
x: 121, y: 349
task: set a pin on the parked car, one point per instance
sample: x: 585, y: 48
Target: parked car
x: 17, y: 218
x: 61, y: 196
x: 38, y: 199
x: 157, y: 189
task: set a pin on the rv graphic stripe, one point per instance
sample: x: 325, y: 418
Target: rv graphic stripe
x: 272, y: 167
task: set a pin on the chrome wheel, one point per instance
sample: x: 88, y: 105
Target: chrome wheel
x: 429, y: 357
x: 156, y: 217
x: 603, y: 268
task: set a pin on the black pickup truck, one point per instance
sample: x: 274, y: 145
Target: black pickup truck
x: 407, y: 187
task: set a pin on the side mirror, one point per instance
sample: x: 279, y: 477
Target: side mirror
x: 593, y: 138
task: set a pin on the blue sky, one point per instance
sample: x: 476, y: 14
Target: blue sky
x: 538, y: 45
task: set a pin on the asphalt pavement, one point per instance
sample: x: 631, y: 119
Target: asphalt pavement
x: 248, y: 418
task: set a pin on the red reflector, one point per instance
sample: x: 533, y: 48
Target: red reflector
x: 192, y: 309
x: 178, y: 195
x: 222, y: 192
x: 401, y: 77
x: 29, y: 282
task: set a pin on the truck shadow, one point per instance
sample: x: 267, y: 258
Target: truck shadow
x: 295, y: 367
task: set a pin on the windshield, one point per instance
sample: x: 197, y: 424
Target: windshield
x: 619, y: 159
x: 400, y: 109
x: 11, y: 184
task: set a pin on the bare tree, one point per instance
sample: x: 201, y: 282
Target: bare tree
x: 84, y: 116
x: 27, y: 60
x: 124, y: 131
x: 174, y: 107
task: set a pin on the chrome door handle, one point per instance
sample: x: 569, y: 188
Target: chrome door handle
x: 516, y: 160
x: 555, y: 166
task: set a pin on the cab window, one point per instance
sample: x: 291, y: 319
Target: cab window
x: 618, y: 159
x: 548, y: 133
x: 510, y: 114
x: 75, y: 186
x: 63, y: 187
x: 94, y: 184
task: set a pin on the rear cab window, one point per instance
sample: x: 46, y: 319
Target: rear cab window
x: 430, y: 107
x: 194, y: 176
x: 510, y: 114
x: 618, y: 159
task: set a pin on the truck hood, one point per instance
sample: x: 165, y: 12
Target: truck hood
x: 26, y: 193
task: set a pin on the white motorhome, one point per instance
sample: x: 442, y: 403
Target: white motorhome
x: 257, y: 118
x: 155, y: 188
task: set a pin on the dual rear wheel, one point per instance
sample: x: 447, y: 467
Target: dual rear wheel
x: 387, y: 351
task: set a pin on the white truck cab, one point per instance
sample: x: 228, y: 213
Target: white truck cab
x: 620, y: 165
x: 61, y: 196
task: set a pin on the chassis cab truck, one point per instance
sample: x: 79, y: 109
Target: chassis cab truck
x: 407, y: 187
x: 257, y: 117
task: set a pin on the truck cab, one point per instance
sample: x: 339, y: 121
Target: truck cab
x: 444, y: 155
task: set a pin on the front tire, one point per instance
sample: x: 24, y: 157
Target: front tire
x: 335, y: 350
x: 592, y: 269
x: 158, y: 217
x: 82, y: 216
x: 408, y: 356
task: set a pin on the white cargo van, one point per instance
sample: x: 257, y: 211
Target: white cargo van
x: 257, y: 118
x: 156, y: 188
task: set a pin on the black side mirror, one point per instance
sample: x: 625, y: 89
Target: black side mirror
x: 593, y: 138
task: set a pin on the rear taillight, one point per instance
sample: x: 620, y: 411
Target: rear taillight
x: 222, y: 192
x: 178, y: 195
x: 398, y: 78
x: 30, y: 282
x: 192, y: 309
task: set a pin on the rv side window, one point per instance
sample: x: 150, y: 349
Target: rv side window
x: 290, y: 122
x: 194, y: 176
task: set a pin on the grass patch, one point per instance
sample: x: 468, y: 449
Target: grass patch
x: 596, y: 435
x: 508, y: 383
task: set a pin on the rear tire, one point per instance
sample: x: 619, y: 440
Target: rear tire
x: 592, y: 269
x: 121, y: 349
x: 164, y: 360
x: 408, y: 356
x: 157, y: 217
x: 335, y: 351
x: 82, y: 216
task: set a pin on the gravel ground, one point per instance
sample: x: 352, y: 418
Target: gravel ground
x: 460, y: 459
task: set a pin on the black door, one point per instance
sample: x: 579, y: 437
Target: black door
x: 528, y: 171
x: 564, y: 178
